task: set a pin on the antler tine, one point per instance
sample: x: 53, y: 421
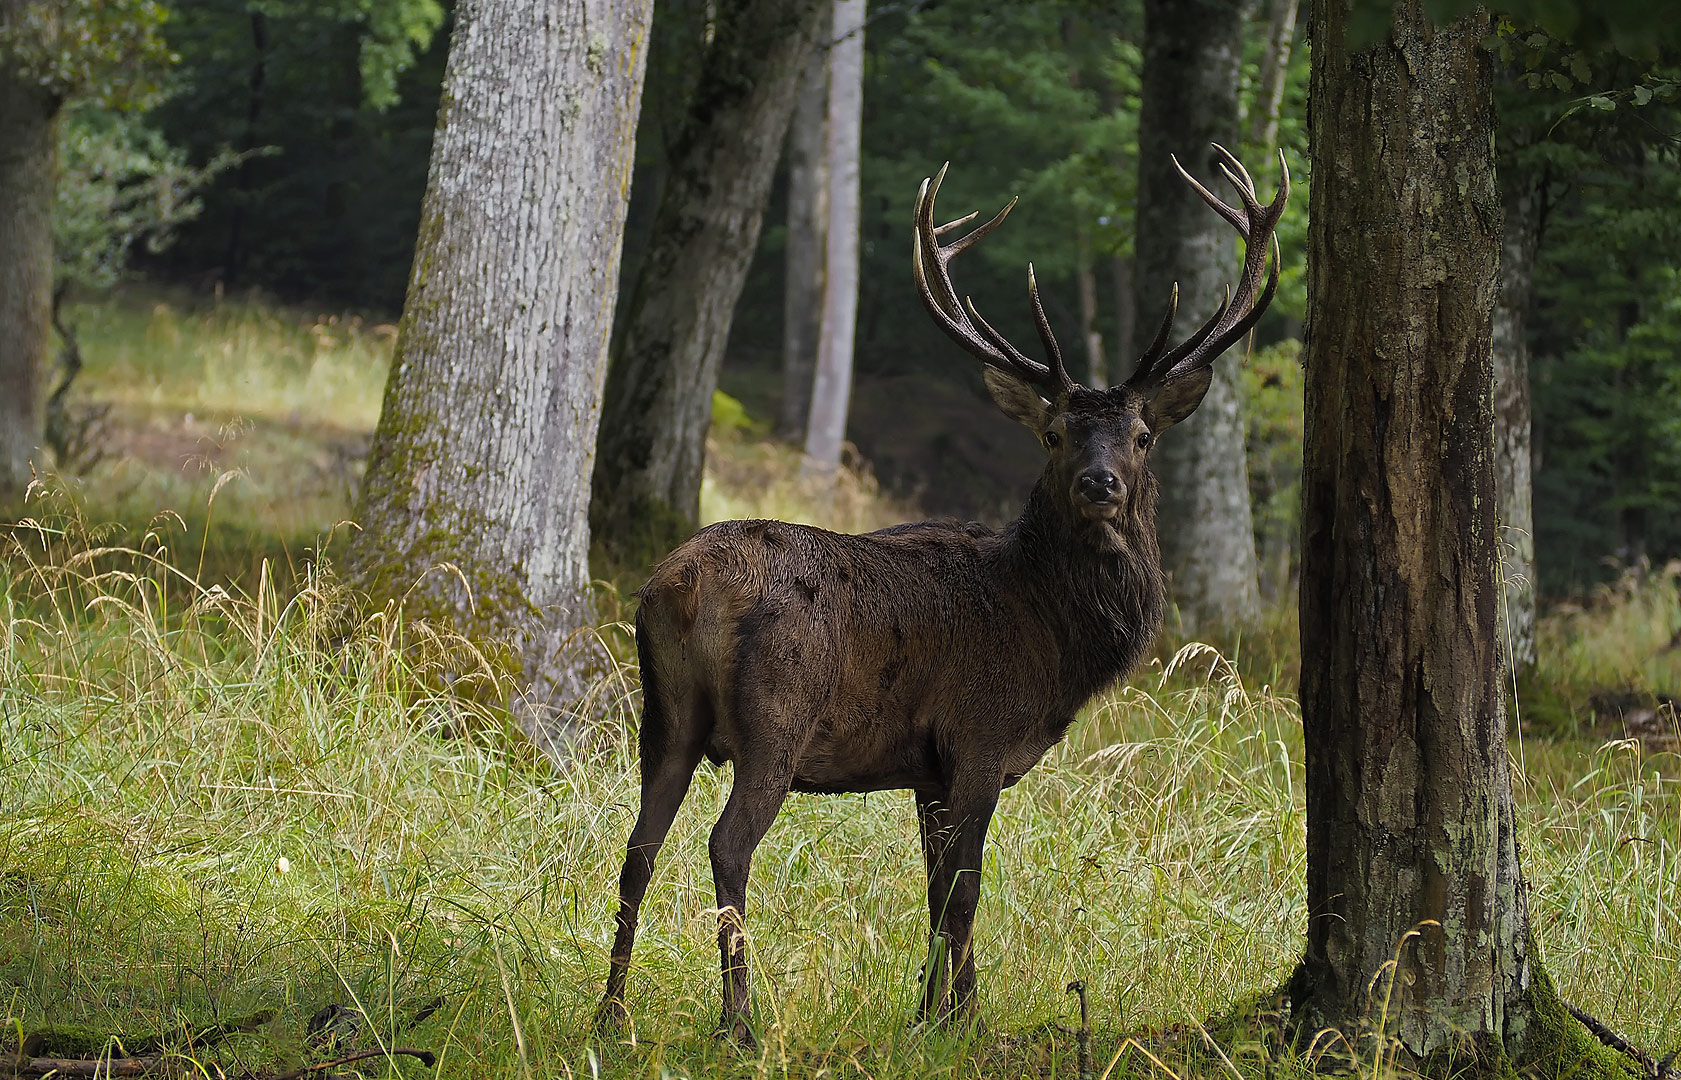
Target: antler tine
x: 1154, y: 352
x: 931, y: 267
x: 1241, y: 309
x: 1053, y: 352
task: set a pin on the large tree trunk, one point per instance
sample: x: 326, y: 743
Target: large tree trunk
x: 28, y: 151
x: 482, y: 456
x: 1522, y: 198
x: 665, y: 365
x: 808, y: 218
x: 1191, y: 56
x: 831, y: 392
x: 1411, y: 842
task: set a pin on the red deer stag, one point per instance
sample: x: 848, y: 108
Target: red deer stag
x: 939, y: 657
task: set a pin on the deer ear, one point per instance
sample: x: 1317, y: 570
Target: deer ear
x: 1019, y: 401
x: 1177, y: 400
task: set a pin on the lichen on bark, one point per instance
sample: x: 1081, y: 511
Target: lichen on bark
x: 474, y: 510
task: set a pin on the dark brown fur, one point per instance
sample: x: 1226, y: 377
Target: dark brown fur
x: 938, y: 657
x: 941, y: 658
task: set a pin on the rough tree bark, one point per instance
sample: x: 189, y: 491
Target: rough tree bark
x: 1521, y: 195
x: 831, y: 392
x: 808, y: 217
x: 482, y: 456
x: 1192, y: 51
x: 1411, y: 840
x: 664, y: 368
x: 28, y: 151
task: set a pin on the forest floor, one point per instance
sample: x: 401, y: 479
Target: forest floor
x: 232, y: 806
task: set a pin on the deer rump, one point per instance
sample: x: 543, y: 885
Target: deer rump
x: 875, y: 661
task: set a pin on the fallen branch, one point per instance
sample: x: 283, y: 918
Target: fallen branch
x: 1655, y: 1069
x: 17, y: 1065
x: 427, y: 1058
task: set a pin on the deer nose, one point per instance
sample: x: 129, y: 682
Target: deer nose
x: 1098, y: 484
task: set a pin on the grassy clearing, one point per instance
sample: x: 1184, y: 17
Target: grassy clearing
x: 221, y: 797
x: 156, y: 766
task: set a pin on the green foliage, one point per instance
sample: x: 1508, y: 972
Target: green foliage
x: 1272, y: 436
x: 119, y: 184
x: 329, y: 89
x: 110, y: 51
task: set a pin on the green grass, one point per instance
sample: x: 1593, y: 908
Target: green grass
x: 170, y: 733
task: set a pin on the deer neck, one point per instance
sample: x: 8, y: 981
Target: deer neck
x: 1103, y: 607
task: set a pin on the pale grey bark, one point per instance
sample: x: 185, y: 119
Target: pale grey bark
x: 1512, y: 462
x: 832, y: 388
x: 1085, y: 279
x: 474, y: 508
x: 1275, y: 64
x: 28, y: 148
x: 808, y: 218
x: 1192, y: 52
x: 1411, y: 831
x: 664, y: 370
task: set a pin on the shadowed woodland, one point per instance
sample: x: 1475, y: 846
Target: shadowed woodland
x: 360, y: 363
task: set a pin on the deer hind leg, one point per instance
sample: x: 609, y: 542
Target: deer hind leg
x: 954, y: 892
x: 669, y: 759
x: 756, y: 795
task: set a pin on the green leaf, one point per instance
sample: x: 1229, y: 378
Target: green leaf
x: 1642, y: 95
x: 1600, y: 101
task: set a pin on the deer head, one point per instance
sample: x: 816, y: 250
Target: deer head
x: 1099, y: 442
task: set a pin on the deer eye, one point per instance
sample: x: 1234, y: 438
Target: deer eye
x: 1143, y: 439
x: 1052, y: 440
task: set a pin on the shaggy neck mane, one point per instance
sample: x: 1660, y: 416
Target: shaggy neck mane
x: 1104, y: 607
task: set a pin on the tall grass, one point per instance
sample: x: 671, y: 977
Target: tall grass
x: 158, y: 762
x: 224, y: 793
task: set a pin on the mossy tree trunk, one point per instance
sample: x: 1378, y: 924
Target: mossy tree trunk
x: 483, y: 452
x: 664, y: 369
x: 1521, y: 194
x: 1412, y: 844
x: 1192, y: 53
x: 28, y: 145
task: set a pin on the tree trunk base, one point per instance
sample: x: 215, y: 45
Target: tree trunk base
x: 1544, y: 1041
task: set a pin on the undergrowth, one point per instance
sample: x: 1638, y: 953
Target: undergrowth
x: 228, y: 802
x: 252, y: 804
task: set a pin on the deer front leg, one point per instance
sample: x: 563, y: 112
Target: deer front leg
x: 755, y: 797
x: 954, y: 889
x: 935, y: 828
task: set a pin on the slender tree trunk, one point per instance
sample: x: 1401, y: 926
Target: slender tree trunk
x: 482, y: 457
x: 808, y: 216
x: 1126, y: 319
x: 1085, y: 276
x: 1411, y: 839
x: 664, y: 371
x: 1192, y: 52
x: 1275, y: 64
x: 1522, y: 198
x: 28, y: 152
x: 832, y: 389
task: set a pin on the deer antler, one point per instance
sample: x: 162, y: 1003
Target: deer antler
x: 933, y: 281
x: 1235, y: 315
